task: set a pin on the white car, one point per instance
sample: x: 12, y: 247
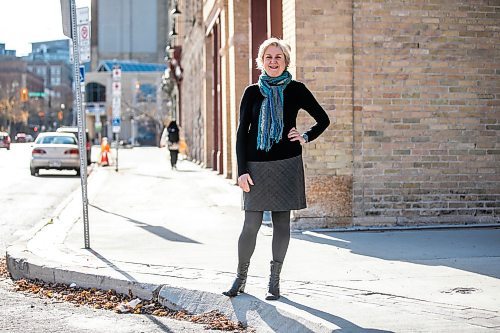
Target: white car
x: 53, y: 150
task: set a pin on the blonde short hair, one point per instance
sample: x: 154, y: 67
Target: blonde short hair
x: 285, y: 48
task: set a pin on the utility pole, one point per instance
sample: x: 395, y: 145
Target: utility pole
x: 70, y: 29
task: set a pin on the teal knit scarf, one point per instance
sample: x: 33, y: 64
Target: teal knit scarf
x: 271, y: 111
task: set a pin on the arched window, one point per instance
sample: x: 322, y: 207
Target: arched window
x: 95, y: 92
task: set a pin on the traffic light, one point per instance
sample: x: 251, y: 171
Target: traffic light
x: 24, y: 95
x: 60, y: 115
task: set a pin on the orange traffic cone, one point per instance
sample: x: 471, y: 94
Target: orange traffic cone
x: 104, y: 158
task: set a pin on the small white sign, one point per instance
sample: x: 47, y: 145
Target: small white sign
x: 117, y: 88
x: 84, y: 42
x: 117, y: 74
x: 82, y: 15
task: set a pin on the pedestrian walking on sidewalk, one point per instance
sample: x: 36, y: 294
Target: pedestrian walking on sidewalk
x: 173, y: 143
x: 269, y: 154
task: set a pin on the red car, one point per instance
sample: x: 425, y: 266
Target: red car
x: 4, y: 140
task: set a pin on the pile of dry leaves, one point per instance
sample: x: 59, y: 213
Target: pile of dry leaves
x: 4, y: 273
x: 110, y: 300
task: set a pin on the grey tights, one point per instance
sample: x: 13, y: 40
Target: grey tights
x: 248, y: 236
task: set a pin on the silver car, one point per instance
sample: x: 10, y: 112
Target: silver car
x: 53, y: 150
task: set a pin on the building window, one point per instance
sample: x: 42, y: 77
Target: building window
x: 55, y: 70
x: 146, y: 93
x: 95, y: 92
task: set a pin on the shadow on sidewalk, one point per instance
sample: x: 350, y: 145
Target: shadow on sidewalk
x: 267, y: 312
x: 113, y: 266
x: 343, y: 324
x: 278, y: 322
x: 461, y: 249
x: 149, y: 176
x: 161, y: 326
x: 154, y: 229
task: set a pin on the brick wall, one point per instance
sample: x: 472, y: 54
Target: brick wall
x: 193, y: 119
x: 238, y: 11
x: 320, y: 34
x: 427, y: 120
x: 412, y: 89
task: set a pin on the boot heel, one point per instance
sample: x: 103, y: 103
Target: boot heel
x: 240, y: 281
x: 274, y: 281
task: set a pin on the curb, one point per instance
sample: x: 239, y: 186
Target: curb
x: 247, y: 309
x: 22, y: 265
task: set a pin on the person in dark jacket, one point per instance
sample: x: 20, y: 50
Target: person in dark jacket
x: 269, y: 156
x: 173, y: 143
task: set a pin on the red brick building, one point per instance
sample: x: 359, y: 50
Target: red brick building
x: 14, y: 78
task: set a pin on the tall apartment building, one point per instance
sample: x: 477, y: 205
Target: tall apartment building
x: 128, y: 30
x: 51, y: 61
x: 132, y: 34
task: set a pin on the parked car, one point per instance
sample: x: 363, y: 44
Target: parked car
x: 53, y: 150
x: 4, y: 140
x: 74, y: 130
x: 20, y: 137
x: 29, y: 138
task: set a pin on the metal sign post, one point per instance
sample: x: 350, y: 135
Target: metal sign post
x: 117, y: 95
x: 80, y: 114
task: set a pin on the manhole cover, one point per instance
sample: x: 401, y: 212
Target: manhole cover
x: 461, y: 290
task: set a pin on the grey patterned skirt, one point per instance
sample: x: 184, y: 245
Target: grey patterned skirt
x: 279, y: 185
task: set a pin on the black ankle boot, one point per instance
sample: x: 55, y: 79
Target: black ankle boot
x: 240, y: 281
x: 274, y: 281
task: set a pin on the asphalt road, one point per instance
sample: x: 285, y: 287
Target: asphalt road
x: 26, y: 200
x: 20, y: 313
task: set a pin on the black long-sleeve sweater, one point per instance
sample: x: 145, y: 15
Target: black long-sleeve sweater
x: 296, y: 96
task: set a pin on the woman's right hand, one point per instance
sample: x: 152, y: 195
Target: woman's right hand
x: 244, y: 182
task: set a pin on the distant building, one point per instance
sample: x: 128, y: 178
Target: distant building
x: 128, y: 30
x: 55, y: 50
x: 51, y: 61
x: 131, y: 34
x: 20, y: 115
x: 142, y: 104
x: 4, y: 52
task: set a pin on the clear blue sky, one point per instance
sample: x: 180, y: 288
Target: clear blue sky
x: 23, y: 22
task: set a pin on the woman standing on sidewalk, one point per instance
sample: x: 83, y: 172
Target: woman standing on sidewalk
x: 269, y: 153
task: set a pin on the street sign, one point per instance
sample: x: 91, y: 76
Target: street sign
x: 36, y: 94
x: 117, y: 73
x: 116, y: 122
x: 83, y: 28
x: 82, y: 15
x: 84, y: 41
x: 116, y: 97
x: 82, y: 74
x: 117, y: 88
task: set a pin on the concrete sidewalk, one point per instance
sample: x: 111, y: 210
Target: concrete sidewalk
x: 173, y: 235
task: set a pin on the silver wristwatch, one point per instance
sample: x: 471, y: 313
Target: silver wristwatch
x: 306, y: 138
